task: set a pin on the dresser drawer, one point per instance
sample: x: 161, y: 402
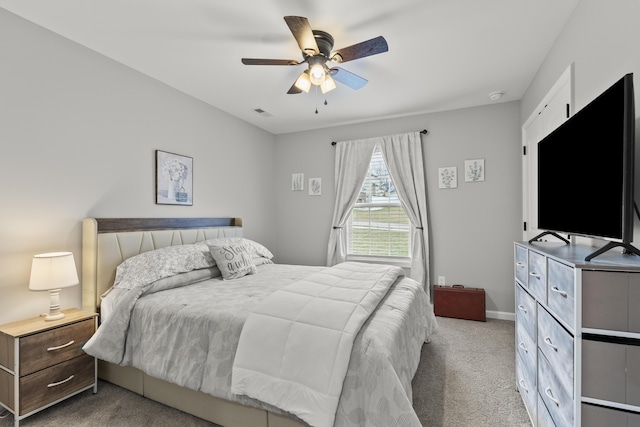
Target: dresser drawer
x: 555, y: 397
x: 51, y: 384
x: 537, y: 278
x: 611, y: 371
x: 522, y: 271
x: 610, y: 301
x: 557, y: 345
x: 526, y: 346
x: 50, y: 347
x: 526, y: 312
x: 544, y: 417
x: 598, y: 416
x: 526, y: 379
x: 561, y: 291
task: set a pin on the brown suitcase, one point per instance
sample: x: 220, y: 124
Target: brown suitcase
x: 460, y: 302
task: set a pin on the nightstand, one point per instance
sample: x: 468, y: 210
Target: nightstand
x: 42, y: 363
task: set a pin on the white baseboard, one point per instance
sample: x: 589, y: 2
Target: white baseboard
x: 501, y: 315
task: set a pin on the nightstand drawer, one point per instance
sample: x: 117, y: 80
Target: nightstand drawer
x: 51, y: 347
x: 56, y: 382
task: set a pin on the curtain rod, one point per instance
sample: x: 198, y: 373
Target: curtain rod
x: 423, y: 131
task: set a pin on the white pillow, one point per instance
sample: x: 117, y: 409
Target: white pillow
x: 233, y: 259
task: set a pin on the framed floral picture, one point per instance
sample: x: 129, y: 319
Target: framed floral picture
x: 474, y: 170
x: 315, y: 186
x: 297, y: 181
x: 174, y: 179
x: 448, y: 177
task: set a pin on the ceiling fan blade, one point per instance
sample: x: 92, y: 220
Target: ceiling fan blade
x: 303, y: 34
x: 348, y: 78
x: 360, y: 50
x: 254, y: 61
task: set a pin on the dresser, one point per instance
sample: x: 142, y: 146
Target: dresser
x: 577, y: 335
x: 42, y: 362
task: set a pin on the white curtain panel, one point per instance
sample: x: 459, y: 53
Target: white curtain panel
x: 403, y: 155
x: 352, y: 164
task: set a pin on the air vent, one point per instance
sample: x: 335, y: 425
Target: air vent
x: 263, y: 113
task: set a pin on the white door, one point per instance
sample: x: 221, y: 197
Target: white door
x: 555, y: 108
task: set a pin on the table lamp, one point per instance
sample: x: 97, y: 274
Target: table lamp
x: 52, y: 272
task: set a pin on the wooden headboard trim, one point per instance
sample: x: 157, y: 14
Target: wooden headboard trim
x: 112, y: 225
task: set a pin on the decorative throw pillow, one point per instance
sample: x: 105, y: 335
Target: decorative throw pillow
x: 256, y: 249
x: 233, y: 259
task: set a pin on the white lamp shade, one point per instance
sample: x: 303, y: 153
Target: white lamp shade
x: 53, y: 270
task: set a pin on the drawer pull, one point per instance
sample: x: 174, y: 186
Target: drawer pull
x: 61, y: 346
x: 523, y: 385
x: 522, y: 308
x: 548, y: 342
x: 547, y: 391
x: 562, y: 293
x: 60, y: 382
x: 520, y: 264
x: 524, y: 347
x: 534, y: 274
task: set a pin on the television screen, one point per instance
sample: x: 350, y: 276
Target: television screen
x: 585, y: 169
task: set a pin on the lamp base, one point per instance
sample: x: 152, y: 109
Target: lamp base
x: 54, y: 306
x: 57, y: 316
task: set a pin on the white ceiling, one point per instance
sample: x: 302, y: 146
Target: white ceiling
x: 443, y: 54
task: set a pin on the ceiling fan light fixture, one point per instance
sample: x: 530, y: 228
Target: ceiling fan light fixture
x: 317, y: 74
x: 328, y: 85
x: 303, y: 82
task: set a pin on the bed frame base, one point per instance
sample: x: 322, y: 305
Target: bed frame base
x: 202, y: 405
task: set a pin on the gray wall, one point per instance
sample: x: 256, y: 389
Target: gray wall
x: 78, y: 134
x: 472, y: 227
x: 602, y: 40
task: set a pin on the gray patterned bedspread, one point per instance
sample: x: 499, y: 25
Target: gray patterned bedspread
x: 188, y: 336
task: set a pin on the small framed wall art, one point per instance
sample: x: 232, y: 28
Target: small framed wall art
x: 297, y: 182
x: 448, y: 177
x: 315, y: 186
x: 174, y: 179
x: 474, y: 170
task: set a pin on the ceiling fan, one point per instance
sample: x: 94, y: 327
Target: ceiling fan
x: 316, y: 47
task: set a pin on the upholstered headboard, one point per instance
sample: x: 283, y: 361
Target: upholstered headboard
x: 107, y: 242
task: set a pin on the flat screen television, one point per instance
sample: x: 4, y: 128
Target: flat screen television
x: 586, y: 171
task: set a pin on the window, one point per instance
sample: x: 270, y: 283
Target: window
x: 378, y: 225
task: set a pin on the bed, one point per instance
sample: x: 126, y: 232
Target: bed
x: 188, y: 364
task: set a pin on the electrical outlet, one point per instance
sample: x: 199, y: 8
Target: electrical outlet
x: 441, y: 281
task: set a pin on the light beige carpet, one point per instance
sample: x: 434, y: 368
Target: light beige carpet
x: 467, y: 376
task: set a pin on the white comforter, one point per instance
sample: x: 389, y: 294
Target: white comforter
x: 295, y: 346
